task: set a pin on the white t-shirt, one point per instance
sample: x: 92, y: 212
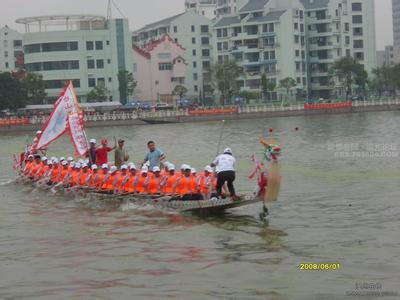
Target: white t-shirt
x: 225, y: 162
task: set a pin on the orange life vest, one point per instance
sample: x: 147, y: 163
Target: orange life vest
x: 97, y: 180
x: 54, y: 175
x: 141, y: 185
x: 109, y: 183
x: 63, y: 174
x: 169, y: 183
x: 204, y: 183
x: 83, y: 178
x: 28, y: 167
x: 183, y: 186
x: 193, y: 183
x: 120, y: 181
x: 153, y: 186
x: 75, y: 177
x: 130, y: 185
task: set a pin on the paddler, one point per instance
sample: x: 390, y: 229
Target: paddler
x: 110, y: 181
x: 28, y: 165
x: 43, y: 168
x: 155, y: 156
x: 169, y: 181
x: 83, y: 175
x: 226, y: 164
x: 122, y: 177
x: 141, y: 186
x: 183, y: 186
x: 93, y: 176
x: 205, y: 182
x: 154, y: 183
x: 130, y: 185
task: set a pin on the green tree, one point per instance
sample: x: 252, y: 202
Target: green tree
x: 127, y: 85
x: 180, y: 91
x: 12, y: 93
x: 287, y: 83
x: 35, y: 88
x: 98, y: 94
x: 267, y: 86
x: 348, y: 72
x: 224, y: 79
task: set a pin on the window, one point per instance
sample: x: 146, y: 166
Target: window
x: 164, y: 55
x: 357, y: 31
x: 301, y: 27
x: 224, y: 32
x: 90, y: 63
x: 205, y: 52
x: 204, y: 29
x: 301, y: 14
x: 219, y: 46
x: 359, y: 55
x: 99, y: 45
x: 17, y: 43
x: 92, y: 82
x: 109, y: 61
x: 296, y: 26
x: 100, y: 64
x: 164, y: 66
x: 196, y: 88
x: 108, y: 43
x: 206, y: 65
x: 347, y: 40
x: 89, y: 46
x: 357, y: 19
x: 205, y: 41
x: 348, y: 52
x: 109, y: 79
x: 5, y: 43
x: 58, y: 84
x: 219, y: 33
x: 297, y: 53
x: 175, y: 29
x: 193, y: 28
x: 346, y: 26
x: 194, y: 65
x: 358, y: 44
x: 296, y: 39
x: 101, y: 82
x: 195, y: 77
x: 356, y: 6
x: 6, y: 65
x: 5, y: 53
x: 193, y: 40
x: 194, y: 52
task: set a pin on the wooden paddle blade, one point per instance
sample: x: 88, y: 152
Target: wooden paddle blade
x: 274, y: 183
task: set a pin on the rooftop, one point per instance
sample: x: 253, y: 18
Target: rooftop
x: 254, y: 5
x: 315, y: 4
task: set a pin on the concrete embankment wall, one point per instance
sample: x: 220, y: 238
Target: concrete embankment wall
x: 207, y: 118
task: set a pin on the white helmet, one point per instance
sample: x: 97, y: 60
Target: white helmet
x: 156, y: 169
x: 124, y: 167
x: 208, y: 169
x: 94, y: 167
x: 145, y: 169
x: 113, y: 169
x: 171, y: 167
x: 104, y: 166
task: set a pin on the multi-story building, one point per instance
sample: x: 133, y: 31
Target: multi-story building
x: 193, y: 32
x: 337, y: 28
x: 206, y: 8
x: 385, y: 57
x: 264, y: 38
x: 229, y: 7
x: 11, y: 54
x: 159, y: 68
x: 87, y: 49
x: 396, y: 29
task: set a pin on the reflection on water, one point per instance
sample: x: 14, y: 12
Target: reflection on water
x: 330, y: 210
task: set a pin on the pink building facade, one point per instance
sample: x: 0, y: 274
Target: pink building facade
x: 158, y: 68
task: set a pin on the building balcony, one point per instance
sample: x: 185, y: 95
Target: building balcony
x: 314, y: 20
x: 268, y: 61
x: 314, y: 33
x: 266, y: 34
x: 247, y: 62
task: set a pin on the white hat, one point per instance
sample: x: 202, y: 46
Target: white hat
x: 104, y: 166
x: 187, y: 167
x: 53, y: 158
x: 145, y: 169
x: 44, y: 158
x: 81, y: 161
x: 85, y: 165
x: 132, y: 166
x: 94, y: 167
x: 62, y: 158
x: 113, y: 169
x: 87, y: 161
x: 77, y: 165
x: 166, y: 164
x: 30, y: 156
x: 147, y: 164
x: 64, y: 163
x: 72, y: 164
x: 92, y: 141
x: 124, y: 167
x: 70, y: 159
x: 171, y: 167
x: 55, y: 161
x: 38, y: 132
x: 49, y: 162
x: 156, y: 169
x: 208, y: 169
x: 183, y: 166
x: 228, y: 151
x: 193, y: 170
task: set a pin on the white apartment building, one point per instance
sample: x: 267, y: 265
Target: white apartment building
x: 206, y: 8
x: 396, y: 29
x: 11, y: 54
x: 336, y: 28
x: 193, y: 32
x: 385, y: 57
x: 87, y: 49
x: 264, y: 37
x: 229, y: 7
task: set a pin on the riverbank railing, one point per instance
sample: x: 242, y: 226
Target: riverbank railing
x: 135, y: 115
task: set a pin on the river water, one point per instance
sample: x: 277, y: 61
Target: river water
x: 332, y: 209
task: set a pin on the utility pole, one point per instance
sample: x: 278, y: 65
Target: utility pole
x: 109, y: 10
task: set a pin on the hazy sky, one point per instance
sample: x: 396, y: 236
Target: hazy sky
x: 141, y: 12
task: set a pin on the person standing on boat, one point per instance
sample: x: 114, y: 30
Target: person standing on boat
x: 92, y: 153
x: 120, y: 155
x: 155, y: 155
x: 226, y: 164
x: 102, y: 152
